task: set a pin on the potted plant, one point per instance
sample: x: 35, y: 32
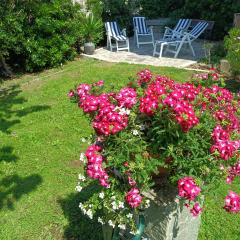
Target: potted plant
x: 190, y: 129
x: 91, y: 32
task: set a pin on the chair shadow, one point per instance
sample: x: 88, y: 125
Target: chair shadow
x: 13, y: 187
x: 80, y: 227
x: 9, y: 99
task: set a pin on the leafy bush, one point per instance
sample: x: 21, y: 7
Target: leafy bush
x: 190, y: 129
x: 39, y: 34
x: 232, y: 43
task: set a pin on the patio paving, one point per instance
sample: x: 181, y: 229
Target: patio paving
x: 143, y: 55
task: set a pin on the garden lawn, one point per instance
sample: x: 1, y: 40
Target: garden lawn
x: 40, y: 143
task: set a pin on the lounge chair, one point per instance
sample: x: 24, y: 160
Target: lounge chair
x: 114, y: 33
x: 182, y: 26
x: 141, y: 30
x: 184, y: 38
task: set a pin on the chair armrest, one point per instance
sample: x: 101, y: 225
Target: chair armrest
x: 124, y: 32
x: 168, y: 29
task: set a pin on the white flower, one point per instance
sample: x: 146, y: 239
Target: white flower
x: 100, y: 220
x: 111, y: 223
x: 89, y: 213
x: 121, y: 204
x: 78, y: 188
x: 82, y: 208
x: 122, y: 226
x: 101, y: 195
x: 127, y: 111
x: 135, y: 132
x: 114, y: 206
x: 129, y: 215
x: 83, y: 140
x: 82, y: 157
x: 147, y: 205
x: 81, y: 177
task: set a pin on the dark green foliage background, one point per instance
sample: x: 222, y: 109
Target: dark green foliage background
x: 37, y: 34
x: 219, y: 11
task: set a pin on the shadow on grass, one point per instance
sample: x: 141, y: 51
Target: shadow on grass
x: 13, y: 187
x: 80, y: 227
x: 6, y: 154
x: 9, y: 99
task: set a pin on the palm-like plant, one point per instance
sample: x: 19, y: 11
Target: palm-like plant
x: 92, y: 28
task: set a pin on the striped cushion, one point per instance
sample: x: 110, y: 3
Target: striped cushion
x: 120, y: 38
x: 182, y: 24
x: 140, y: 24
x: 199, y: 28
x: 114, y: 31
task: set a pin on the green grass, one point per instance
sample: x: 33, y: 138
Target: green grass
x: 40, y: 132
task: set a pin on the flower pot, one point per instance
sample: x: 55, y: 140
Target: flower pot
x: 168, y: 219
x: 89, y: 48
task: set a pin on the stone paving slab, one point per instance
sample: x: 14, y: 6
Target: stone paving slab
x: 143, y: 55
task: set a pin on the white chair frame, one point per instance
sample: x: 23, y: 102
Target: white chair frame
x: 181, y: 27
x: 111, y: 37
x: 185, y: 38
x: 148, y: 33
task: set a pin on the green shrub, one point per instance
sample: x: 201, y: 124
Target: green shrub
x: 40, y: 34
x: 232, y: 43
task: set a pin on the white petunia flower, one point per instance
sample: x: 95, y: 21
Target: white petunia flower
x: 89, y: 213
x: 121, y: 204
x: 122, y: 226
x: 100, y: 220
x: 78, y: 188
x: 81, y: 177
x: 135, y: 132
x: 129, y: 215
x: 82, y: 157
x: 128, y: 111
x: 114, y: 205
x: 147, y: 205
x: 111, y: 223
x: 83, y: 140
x: 101, y: 195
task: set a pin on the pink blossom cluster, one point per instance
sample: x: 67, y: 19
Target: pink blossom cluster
x: 188, y: 188
x: 233, y: 172
x: 232, y: 203
x: 94, y: 165
x: 222, y: 143
x: 109, y: 121
x: 134, y: 198
x: 144, y: 76
x: 196, y: 209
x: 177, y: 98
x: 127, y: 97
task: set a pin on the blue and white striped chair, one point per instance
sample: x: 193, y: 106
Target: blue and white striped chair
x: 114, y: 33
x: 182, y: 25
x: 184, y: 38
x: 141, y: 30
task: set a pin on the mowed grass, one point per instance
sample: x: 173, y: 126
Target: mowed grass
x: 40, y: 143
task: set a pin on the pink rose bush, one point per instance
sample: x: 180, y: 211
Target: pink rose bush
x: 191, y: 129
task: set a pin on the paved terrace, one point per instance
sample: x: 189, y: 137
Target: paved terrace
x: 143, y: 55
